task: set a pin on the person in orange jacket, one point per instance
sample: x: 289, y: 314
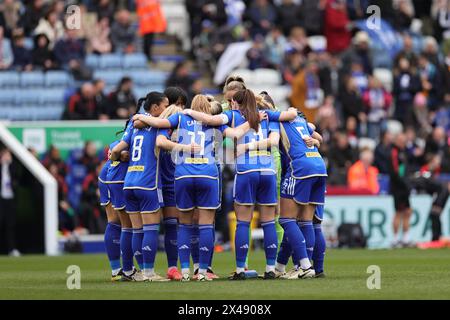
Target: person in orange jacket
x: 362, y: 175
x: 151, y: 21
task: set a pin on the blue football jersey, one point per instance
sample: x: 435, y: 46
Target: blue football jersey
x: 103, y: 176
x: 143, y: 168
x: 166, y: 163
x: 303, y: 161
x: 202, y: 164
x: 253, y: 160
x: 118, y: 169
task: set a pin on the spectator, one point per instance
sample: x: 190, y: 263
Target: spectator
x: 431, y: 50
x: 66, y: 214
x: 360, y: 77
x: 306, y: 93
x: 81, y: 105
x: 377, y: 101
x: 123, y: 33
x: 431, y: 85
x: 400, y: 190
x: 122, y: 102
x: 414, y: 149
x: 298, y: 40
x: 352, y: 103
x: 288, y: 16
x: 199, y: 11
x: 151, y: 21
x: 53, y: 158
x: 101, y: 101
x: 34, y: 11
x: 43, y: 57
x: 407, y: 52
x: 6, y: 53
x: 262, y: 16
x: 362, y: 175
x: 10, y: 16
x: 403, y: 15
x: 341, y: 157
x: 90, y: 214
x: 406, y: 86
x: 330, y: 74
x: 255, y: 55
x: 22, y: 56
x: 52, y: 27
x: 337, y: 26
x: 312, y: 16
x: 99, y: 39
x: 382, y: 152
x: 8, y: 180
x: 69, y: 52
x: 90, y: 157
x: 292, y: 63
x: 275, y: 45
x: 359, y: 51
x: 104, y: 9
x: 180, y: 76
x: 438, y: 143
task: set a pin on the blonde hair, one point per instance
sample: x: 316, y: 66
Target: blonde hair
x: 200, y: 103
x: 170, y: 110
x: 216, y: 107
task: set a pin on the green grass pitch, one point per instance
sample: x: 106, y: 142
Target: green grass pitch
x: 405, y: 274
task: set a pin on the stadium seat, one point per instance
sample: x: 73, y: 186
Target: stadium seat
x: 7, y: 96
x: 30, y: 97
x: 5, y: 111
x: 246, y: 74
x: 135, y: 61
x: 140, y: 92
x: 32, y: 79
x: 9, y: 79
x: 267, y: 77
x: 92, y: 61
x: 57, y: 79
x: 111, y: 77
x: 51, y: 97
x: 149, y: 78
x: 111, y: 61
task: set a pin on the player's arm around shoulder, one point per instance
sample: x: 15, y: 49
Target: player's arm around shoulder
x: 150, y: 121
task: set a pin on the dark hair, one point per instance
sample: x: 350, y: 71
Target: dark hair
x: 174, y: 94
x: 247, y: 105
x: 124, y: 80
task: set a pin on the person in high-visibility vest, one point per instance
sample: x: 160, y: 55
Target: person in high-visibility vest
x: 151, y: 21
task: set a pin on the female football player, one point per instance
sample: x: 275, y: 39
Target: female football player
x: 196, y: 180
x: 141, y: 185
x: 255, y: 182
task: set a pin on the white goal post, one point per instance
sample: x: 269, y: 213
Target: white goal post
x: 48, y: 182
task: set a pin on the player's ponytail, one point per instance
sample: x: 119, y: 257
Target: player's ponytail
x: 247, y: 106
x: 234, y: 83
x: 139, y: 104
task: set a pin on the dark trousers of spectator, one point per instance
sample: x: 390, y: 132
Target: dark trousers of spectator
x: 440, y: 194
x: 8, y: 222
x: 148, y: 43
